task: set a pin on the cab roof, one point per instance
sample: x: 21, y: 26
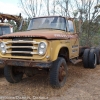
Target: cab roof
x: 67, y: 18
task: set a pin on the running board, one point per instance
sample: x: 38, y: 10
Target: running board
x: 75, y: 61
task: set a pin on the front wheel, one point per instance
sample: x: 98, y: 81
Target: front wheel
x: 12, y: 75
x: 58, y: 73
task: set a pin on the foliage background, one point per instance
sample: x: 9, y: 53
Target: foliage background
x: 85, y: 12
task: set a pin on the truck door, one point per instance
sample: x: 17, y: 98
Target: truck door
x: 74, y: 41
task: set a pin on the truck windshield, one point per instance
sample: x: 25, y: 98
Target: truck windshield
x: 4, y: 30
x: 57, y: 23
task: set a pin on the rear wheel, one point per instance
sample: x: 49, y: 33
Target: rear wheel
x: 92, y: 59
x: 86, y: 58
x: 58, y: 73
x: 12, y: 75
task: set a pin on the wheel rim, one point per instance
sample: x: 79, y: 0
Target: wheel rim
x: 62, y: 73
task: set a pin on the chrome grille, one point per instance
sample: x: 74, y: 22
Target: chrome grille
x: 22, y: 47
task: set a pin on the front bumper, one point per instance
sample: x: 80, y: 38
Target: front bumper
x: 25, y: 63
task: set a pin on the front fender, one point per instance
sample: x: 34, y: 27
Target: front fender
x: 55, y: 48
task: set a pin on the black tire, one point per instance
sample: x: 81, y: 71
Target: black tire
x: 85, y: 58
x: 11, y: 75
x: 97, y: 50
x: 81, y: 51
x: 92, y: 59
x: 58, y: 73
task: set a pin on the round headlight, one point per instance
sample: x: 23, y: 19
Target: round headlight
x: 42, y: 48
x: 2, y: 44
x: 42, y: 45
x: 3, y: 50
x: 41, y: 52
x: 2, y: 47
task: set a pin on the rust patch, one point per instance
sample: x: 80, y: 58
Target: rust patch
x: 48, y: 34
x: 26, y: 63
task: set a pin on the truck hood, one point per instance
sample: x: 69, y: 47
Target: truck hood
x: 47, y: 34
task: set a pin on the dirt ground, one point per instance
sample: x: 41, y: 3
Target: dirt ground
x: 81, y: 84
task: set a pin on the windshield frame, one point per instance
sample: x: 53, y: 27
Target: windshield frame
x: 59, y: 18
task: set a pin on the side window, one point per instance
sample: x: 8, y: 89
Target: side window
x: 63, y: 23
x: 6, y: 30
x: 70, y: 26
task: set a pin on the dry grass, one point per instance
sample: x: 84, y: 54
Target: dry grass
x: 82, y: 84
